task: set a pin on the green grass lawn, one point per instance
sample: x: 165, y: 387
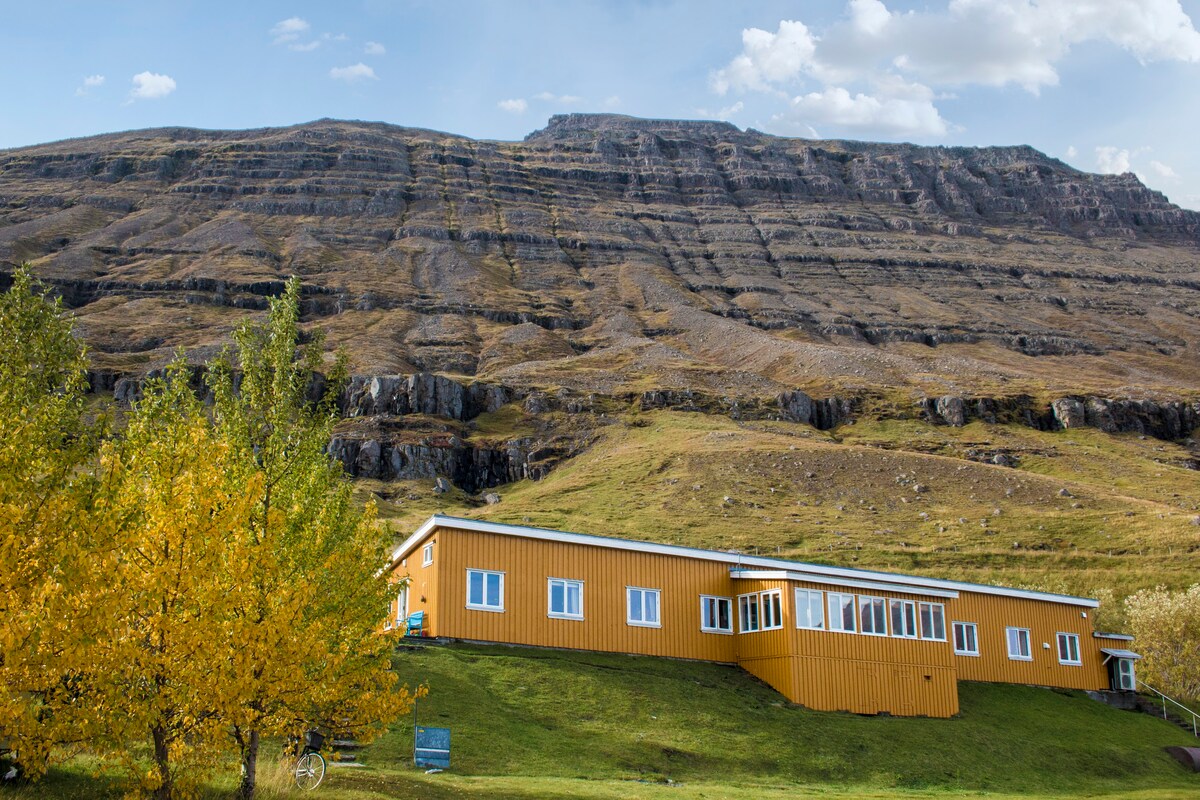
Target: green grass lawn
x: 532, y: 723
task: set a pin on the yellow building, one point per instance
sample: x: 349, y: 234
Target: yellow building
x: 829, y: 638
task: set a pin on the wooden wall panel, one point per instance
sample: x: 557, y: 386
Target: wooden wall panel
x: 872, y: 687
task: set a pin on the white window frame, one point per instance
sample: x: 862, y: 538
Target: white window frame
x: 954, y: 626
x: 908, y: 614
x: 941, y: 608
x: 866, y: 601
x: 644, y: 592
x: 804, y: 608
x: 836, y: 621
x: 716, y: 600
x: 1008, y: 643
x: 484, y: 606
x: 566, y: 584
x: 746, y: 602
x: 771, y: 609
x: 1059, y: 638
x: 427, y: 555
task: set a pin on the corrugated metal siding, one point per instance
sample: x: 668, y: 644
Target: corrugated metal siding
x: 871, y: 687
x: 1044, y: 620
x: 605, y: 573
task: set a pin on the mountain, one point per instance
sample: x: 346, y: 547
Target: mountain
x: 609, y: 254
x: 974, y: 363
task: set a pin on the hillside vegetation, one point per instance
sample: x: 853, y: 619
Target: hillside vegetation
x: 554, y: 724
x: 1083, y: 511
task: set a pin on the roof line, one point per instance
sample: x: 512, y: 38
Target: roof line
x: 743, y: 560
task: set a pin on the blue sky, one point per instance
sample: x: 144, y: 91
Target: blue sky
x: 1106, y: 85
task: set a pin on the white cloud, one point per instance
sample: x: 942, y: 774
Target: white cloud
x: 558, y: 99
x: 1164, y: 171
x: 1071, y: 151
x: 722, y: 114
x: 288, y: 30
x: 374, y: 49
x: 612, y: 101
x: 90, y: 82
x: 1111, y: 160
x: 305, y: 47
x: 515, y: 106
x: 353, y: 73
x: 876, y: 66
x: 151, y: 86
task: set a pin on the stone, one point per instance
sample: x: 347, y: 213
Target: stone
x: 441, y: 486
x: 491, y: 498
x: 952, y: 410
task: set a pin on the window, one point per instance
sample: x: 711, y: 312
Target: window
x: 810, y: 609
x: 748, y: 620
x: 841, y: 612
x: 966, y: 639
x: 772, y: 610
x: 642, y: 607
x: 904, y: 618
x: 1068, y: 649
x: 1126, y: 679
x: 402, y: 605
x: 872, y: 613
x: 716, y: 614
x: 427, y: 555
x: 1018, y: 644
x: 933, y: 621
x: 565, y: 598
x: 485, y: 590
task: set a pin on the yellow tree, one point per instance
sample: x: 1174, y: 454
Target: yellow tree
x: 310, y: 598
x: 45, y: 544
x: 1166, y: 626
x: 160, y: 672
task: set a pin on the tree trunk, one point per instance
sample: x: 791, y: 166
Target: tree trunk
x: 249, y: 767
x: 162, y: 762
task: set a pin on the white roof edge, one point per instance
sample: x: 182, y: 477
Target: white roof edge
x: 482, y: 526
x: 786, y: 575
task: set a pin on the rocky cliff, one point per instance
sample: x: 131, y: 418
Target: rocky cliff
x: 606, y: 253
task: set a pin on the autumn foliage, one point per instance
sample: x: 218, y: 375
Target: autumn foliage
x: 194, y: 583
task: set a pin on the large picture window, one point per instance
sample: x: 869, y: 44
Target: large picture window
x: 810, y: 609
x: 642, y: 607
x: 485, y: 590
x: 841, y: 612
x: 565, y: 598
x: 933, y: 621
x: 1018, y: 644
x: 872, y: 613
x: 904, y: 618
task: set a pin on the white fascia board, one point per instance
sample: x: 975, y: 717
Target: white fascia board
x: 737, y: 559
x: 1123, y: 637
x: 784, y: 575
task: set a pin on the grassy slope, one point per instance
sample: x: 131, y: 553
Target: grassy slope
x: 549, y: 724
x: 850, y: 497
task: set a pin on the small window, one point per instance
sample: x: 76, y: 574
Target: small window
x: 1018, y: 644
x: 810, y: 609
x: 933, y: 621
x: 716, y: 614
x: 772, y: 610
x: 427, y: 555
x: 966, y: 639
x: 841, y: 612
x: 485, y: 590
x: 565, y: 598
x: 748, y: 619
x: 1068, y: 649
x: 642, y: 607
x: 872, y: 612
x: 904, y: 618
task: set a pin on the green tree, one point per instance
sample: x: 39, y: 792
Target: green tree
x: 311, y: 597
x: 44, y: 542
